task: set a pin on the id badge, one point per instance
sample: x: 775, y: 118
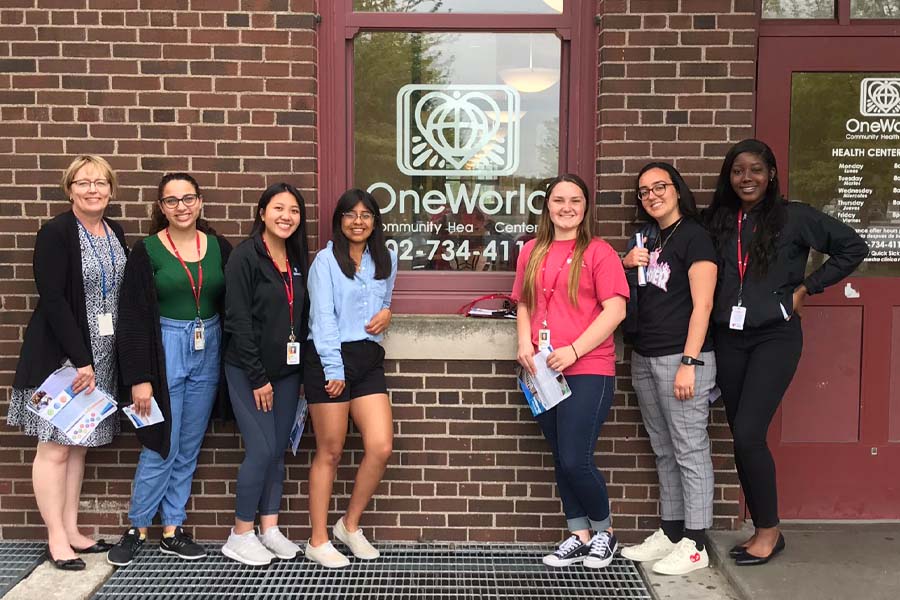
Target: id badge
x: 199, y: 337
x: 105, y: 323
x: 543, y: 339
x: 738, y: 314
x: 293, y: 353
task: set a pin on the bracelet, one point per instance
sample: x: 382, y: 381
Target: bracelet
x: 572, y: 346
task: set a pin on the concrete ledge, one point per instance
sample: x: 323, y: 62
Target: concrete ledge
x: 47, y: 582
x: 450, y: 337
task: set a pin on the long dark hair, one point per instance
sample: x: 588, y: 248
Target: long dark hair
x: 545, y: 236
x: 158, y: 220
x: 687, y: 206
x: 296, y: 245
x: 721, y: 217
x: 341, y: 245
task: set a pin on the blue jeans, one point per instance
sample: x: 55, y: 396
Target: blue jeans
x: 164, y: 485
x: 572, y: 427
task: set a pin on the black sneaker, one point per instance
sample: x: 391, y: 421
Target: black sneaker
x: 571, y: 550
x: 123, y: 552
x: 603, y: 550
x: 182, y: 545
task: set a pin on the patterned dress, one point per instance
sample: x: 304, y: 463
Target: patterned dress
x: 112, y: 256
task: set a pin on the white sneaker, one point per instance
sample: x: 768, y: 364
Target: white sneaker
x: 326, y: 555
x: 356, y: 541
x: 683, y: 559
x: 246, y: 548
x: 655, y: 547
x: 279, y: 545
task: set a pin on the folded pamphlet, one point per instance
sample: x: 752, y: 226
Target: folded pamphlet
x: 76, y: 415
x: 139, y: 421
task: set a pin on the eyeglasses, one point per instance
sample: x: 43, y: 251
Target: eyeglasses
x: 188, y: 200
x: 658, y: 189
x: 83, y: 185
x: 365, y: 217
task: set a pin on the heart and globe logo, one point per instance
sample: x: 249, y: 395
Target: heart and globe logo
x: 879, y: 97
x: 470, y: 130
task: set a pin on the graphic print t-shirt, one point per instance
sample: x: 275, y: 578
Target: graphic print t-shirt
x: 664, y: 304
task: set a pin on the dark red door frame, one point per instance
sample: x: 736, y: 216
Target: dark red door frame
x: 845, y: 466
x: 437, y: 292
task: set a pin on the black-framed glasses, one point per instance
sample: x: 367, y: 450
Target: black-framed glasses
x: 658, y: 189
x: 365, y: 217
x: 188, y: 200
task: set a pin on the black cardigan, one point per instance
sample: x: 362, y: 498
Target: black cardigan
x: 139, y: 340
x: 58, y: 328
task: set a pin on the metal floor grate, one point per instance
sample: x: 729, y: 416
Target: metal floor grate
x: 404, y: 572
x: 17, y: 560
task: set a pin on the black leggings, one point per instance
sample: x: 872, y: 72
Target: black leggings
x: 755, y: 368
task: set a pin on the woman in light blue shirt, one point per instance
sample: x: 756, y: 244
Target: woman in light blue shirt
x: 350, y: 286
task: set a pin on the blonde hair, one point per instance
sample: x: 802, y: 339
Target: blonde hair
x: 99, y: 163
x: 544, y: 238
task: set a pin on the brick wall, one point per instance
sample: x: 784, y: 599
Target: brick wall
x: 227, y: 91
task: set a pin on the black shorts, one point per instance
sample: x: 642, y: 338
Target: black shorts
x: 363, y: 372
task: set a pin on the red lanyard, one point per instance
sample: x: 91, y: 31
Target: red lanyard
x: 549, y: 297
x: 194, y: 290
x: 288, y: 289
x: 741, y: 259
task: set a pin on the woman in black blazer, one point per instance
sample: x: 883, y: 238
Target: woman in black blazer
x: 79, y: 259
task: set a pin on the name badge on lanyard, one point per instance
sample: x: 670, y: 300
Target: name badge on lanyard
x: 199, y: 330
x: 544, y: 332
x: 104, y: 319
x: 293, y: 353
x: 739, y: 312
x: 293, y: 346
x: 543, y: 339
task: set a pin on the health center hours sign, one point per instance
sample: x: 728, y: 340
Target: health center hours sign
x: 845, y: 156
x: 457, y: 200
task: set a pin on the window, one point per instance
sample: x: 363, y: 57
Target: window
x: 454, y: 117
x: 798, y: 9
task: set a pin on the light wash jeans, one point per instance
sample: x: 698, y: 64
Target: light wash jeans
x: 164, y: 486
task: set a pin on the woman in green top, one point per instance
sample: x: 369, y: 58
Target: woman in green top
x: 169, y: 346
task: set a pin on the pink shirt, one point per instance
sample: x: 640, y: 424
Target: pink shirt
x: 602, y: 277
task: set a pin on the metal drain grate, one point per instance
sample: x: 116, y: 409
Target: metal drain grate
x: 404, y: 572
x: 17, y: 560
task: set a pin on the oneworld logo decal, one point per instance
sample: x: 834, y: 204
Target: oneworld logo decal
x: 468, y: 130
x: 879, y: 97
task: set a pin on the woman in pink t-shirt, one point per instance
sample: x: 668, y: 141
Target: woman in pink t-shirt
x: 572, y: 289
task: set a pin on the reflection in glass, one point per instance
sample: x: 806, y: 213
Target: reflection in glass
x: 455, y: 157
x: 844, y: 157
x: 461, y: 6
x: 798, y: 9
x: 875, y: 9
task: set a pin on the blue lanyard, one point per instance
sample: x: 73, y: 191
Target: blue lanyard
x: 112, y: 257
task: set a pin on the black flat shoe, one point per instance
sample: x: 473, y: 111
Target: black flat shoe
x: 99, y: 547
x: 72, y: 564
x: 745, y: 559
x: 737, y: 550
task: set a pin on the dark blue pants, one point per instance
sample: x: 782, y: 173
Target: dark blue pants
x: 266, y: 435
x: 572, y: 428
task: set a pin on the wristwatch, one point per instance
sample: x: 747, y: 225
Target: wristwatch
x: 690, y: 360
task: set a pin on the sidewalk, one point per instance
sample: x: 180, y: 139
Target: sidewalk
x: 822, y: 561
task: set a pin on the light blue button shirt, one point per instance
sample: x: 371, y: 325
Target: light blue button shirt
x: 341, y: 307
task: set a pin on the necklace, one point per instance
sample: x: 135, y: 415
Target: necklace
x: 660, y: 244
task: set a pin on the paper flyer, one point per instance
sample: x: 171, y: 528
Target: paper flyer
x: 546, y: 388
x: 138, y: 421
x: 76, y: 415
x: 299, y: 424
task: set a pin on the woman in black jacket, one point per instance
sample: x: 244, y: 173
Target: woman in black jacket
x: 266, y: 315
x: 763, y: 244
x: 170, y: 346
x: 79, y: 259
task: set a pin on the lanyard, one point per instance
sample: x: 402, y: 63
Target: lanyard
x: 194, y: 290
x: 741, y: 259
x: 288, y: 289
x: 549, y: 297
x: 112, y: 257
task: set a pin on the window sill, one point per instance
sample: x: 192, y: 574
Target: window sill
x: 450, y: 337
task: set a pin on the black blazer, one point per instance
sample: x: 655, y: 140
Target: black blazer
x: 141, y: 355
x: 58, y: 328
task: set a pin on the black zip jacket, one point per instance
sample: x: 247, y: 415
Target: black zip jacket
x: 140, y: 349
x: 769, y: 299
x: 58, y: 328
x: 257, y: 322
